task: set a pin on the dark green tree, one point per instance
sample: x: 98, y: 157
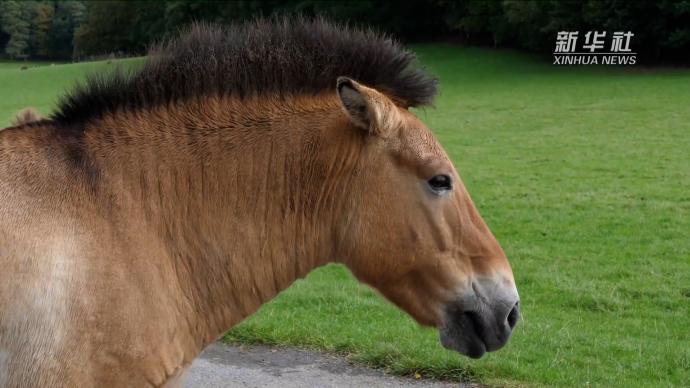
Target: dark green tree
x: 67, y: 18
x: 41, y: 27
x: 117, y: 26
x: 16, y: 24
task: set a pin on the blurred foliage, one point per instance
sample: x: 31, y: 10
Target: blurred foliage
x: 39, y: 29
x: 74, y: 29
x: 661, y: 28
x: 131, y: 26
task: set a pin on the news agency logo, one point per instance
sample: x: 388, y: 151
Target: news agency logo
x: 592, y: 52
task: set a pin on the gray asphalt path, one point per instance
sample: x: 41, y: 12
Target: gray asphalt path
x: 263, y: 366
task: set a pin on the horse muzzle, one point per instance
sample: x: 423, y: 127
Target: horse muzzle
x: 481, y: 321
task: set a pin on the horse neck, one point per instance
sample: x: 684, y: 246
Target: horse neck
x: 244, y: 199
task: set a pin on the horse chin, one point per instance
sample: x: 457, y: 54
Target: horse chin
x: 465, y: 342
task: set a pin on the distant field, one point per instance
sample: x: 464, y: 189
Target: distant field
x: 583, y: 174
x: 9, y: 65
x: 40, y: 85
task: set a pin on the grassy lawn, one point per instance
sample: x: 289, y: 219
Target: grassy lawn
x: 38, y: 86
x: 583, y: 174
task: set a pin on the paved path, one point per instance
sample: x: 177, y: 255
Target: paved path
x: 264, y: 366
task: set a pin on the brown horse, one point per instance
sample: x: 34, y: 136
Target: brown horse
x: 157, y: 208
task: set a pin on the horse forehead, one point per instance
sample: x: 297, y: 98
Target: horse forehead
x: 418, y: 141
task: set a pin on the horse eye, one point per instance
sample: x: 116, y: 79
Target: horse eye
x: 439, y: 184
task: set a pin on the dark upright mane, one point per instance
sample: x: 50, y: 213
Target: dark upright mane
x: 279, y: 56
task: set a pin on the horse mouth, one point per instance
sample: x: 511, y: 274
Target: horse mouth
x: 463, y: 336
x: 478, y: 329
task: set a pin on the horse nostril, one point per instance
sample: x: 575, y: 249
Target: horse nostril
x: 514, y: 315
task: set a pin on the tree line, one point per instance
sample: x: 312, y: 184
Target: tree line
x: 41, y: 29
x: 74, y: 29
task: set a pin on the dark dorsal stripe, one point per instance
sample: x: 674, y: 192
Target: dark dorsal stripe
x: 280, y: 56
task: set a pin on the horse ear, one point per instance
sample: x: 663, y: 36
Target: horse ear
x: 368, y: 108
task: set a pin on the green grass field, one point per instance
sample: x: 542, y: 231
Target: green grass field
x: 583, y: 174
